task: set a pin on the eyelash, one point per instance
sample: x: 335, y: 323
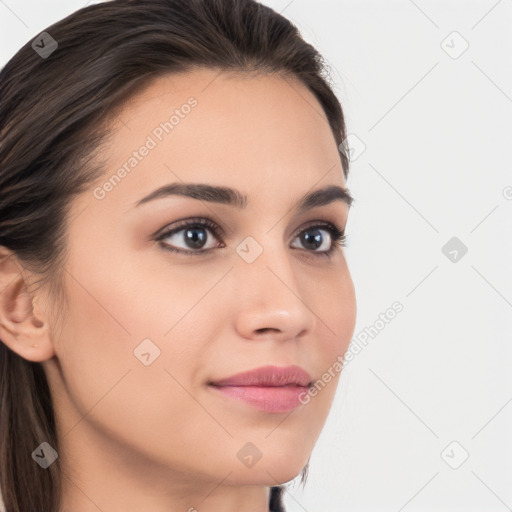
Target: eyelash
x: 338, y: 235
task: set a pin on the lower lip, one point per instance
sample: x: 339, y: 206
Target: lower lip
x: 266, y: 398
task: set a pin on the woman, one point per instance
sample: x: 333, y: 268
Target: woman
x: 175, y: 297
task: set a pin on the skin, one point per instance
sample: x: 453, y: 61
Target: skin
x: 157, y: 438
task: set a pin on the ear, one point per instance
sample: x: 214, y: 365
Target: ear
x: 22, y: 328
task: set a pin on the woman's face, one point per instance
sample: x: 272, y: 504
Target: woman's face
x: 147, y: 329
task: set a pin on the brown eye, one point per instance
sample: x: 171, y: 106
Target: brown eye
x: 314, y: 238
x: 191, y: 237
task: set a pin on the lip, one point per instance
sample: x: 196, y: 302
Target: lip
x: 268, y: 388
x: 268, y: 376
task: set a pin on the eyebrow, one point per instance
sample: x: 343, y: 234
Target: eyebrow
x: 232, y: 197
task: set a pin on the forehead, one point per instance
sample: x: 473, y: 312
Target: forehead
x: 258, y: 132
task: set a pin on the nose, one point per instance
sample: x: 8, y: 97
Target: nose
x: 271, y: 303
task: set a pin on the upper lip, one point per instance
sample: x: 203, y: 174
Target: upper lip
x: 268, y: 376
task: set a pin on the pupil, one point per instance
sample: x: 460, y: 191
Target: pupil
x: 316, y: 239
x: 195, y: 237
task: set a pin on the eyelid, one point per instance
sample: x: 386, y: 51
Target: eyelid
x: 218, y: 230
x: 336, y: 232
x: 183, y: 223
x: 320, y: 223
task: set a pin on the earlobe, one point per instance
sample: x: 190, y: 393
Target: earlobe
x: 22, y: 329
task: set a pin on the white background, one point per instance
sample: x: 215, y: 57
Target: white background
x: 435, y: 126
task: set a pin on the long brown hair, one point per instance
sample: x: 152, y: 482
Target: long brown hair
x: 53, y: 117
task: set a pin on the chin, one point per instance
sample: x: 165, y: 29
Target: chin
x: 274, y: 469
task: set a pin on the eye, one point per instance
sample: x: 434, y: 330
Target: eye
x: 321, y: 239
x: 192, y: 233
x: 314, y: 240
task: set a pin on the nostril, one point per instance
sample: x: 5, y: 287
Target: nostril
x: 263, y: 330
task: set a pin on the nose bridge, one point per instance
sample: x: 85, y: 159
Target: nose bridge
x: 270, y: 298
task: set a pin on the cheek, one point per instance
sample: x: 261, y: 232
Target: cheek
x: 109, y: 390
x: 115, y: 325
x: 336, y: 311
x: 94, y: 347
x: 335, y: 307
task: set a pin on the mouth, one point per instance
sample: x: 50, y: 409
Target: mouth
x: 270, y: 388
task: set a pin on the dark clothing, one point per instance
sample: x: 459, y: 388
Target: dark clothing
x: 276, y: 499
